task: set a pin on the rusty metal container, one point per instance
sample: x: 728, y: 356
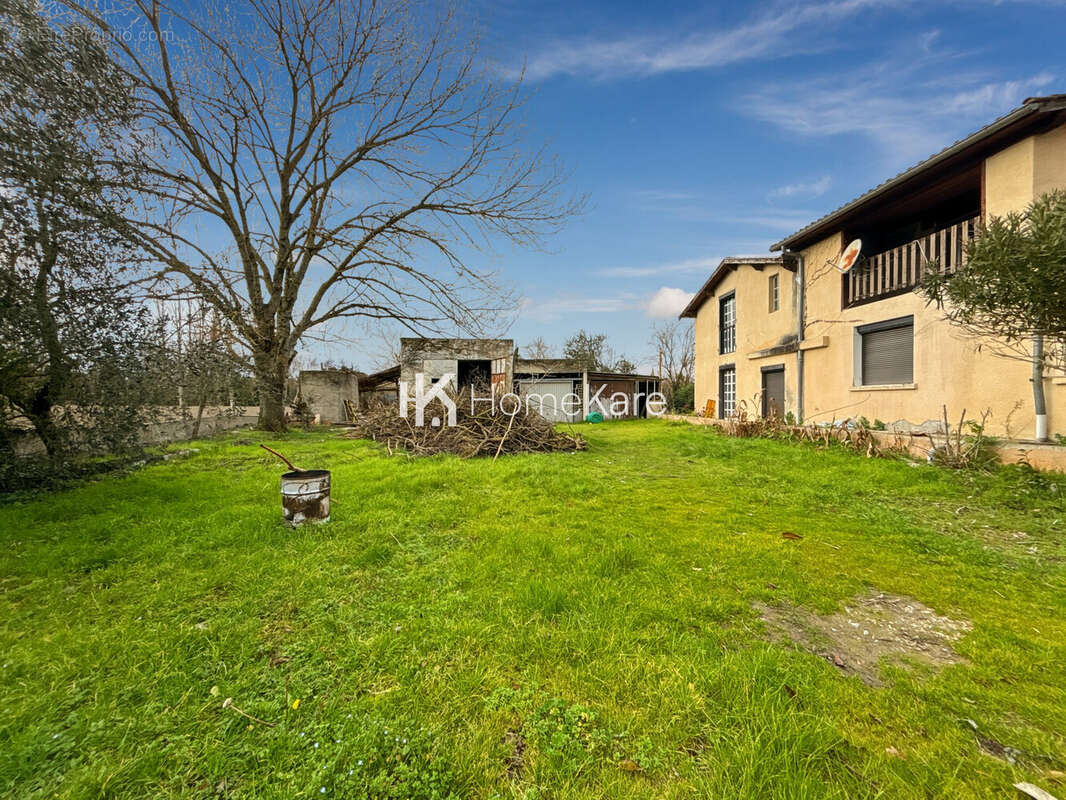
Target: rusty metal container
x: 305, y: 496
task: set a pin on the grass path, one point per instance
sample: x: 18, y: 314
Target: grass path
x: 549, y: 626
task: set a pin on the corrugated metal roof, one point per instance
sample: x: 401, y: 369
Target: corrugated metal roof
x: 1030, y: 106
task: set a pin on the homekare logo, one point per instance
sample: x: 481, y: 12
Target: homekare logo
x: 438, y: 391
x: 618, y: 404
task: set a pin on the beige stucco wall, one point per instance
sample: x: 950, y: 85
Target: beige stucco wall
x: 1009, y: 178
x: 757, y: 329
x: 1049, y: 161
x: 950, y: 367
x: 1014, y: 177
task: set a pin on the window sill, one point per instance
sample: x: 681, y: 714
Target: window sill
x: 885, y: 387
x: 1058, y: 381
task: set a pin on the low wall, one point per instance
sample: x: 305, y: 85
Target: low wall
x: 179, y: 430
x: 163, y: 431
x: 1038, y: 455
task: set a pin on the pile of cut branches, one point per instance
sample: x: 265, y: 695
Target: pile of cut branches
x: 477, y: 432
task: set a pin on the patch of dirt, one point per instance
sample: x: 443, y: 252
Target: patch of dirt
x: 515, y: 760
x: 873, y: 629
x: 696, y: 747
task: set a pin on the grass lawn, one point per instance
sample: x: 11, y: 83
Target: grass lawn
x: 548, y: 626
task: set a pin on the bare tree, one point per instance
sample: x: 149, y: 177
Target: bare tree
x: 674, y: 344
x: 538, y: 348
x: 197, y: 357
x: 382, y: 341
x: 350, y: 155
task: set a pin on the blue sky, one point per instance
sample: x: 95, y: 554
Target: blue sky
x: 704, y: 130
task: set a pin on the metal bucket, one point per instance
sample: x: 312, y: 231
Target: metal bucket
x: 305, y: 496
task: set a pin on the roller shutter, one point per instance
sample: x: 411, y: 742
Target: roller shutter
x: 888, y: 353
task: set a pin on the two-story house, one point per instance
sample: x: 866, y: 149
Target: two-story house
x: 796, y: 334
x: 745, y: 335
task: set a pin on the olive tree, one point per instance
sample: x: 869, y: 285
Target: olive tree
x: 73, y: 344
x: 1012, y: 288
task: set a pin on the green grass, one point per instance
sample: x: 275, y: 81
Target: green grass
x: 584, y: 619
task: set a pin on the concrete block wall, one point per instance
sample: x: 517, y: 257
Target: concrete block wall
x: 436, y: 357
x: 325, y: 391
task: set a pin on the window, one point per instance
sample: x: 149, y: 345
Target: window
x: 775, y: 293
x: 727, y: 324
x: 885, y: 352
x: 727, y: 391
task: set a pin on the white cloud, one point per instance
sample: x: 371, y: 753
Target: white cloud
x: 903, y: 106
x: 654, y: 196
x: 813, y: 189
x: 688, y: 265
x: 778, y: 31
x: 565, y: 305
x: 668, y: 302
x: 770, y: 34
x: 767, y: 220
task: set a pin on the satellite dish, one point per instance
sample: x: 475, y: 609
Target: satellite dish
x: 850, y: 255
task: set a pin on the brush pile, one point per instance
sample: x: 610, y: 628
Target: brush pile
x: 477, y: 433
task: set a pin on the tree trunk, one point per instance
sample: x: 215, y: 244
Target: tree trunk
x: 271, y: 372
x: 199, y: 415
x: 40, y: 416
x: 57, y: 371
x: 1039, y: 403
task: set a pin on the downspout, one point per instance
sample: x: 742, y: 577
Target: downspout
x: 1039, y: 403
x: 801, y: 288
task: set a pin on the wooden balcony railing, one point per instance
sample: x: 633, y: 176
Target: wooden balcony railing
x: 900, y: 269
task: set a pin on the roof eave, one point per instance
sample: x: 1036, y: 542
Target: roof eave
x: 725, y: 265
x: 820, y: 226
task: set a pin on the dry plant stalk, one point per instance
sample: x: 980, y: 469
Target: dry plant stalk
x: 961, y: 451
x: 851, y: 434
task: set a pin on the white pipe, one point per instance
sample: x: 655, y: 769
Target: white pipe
x: 1041, y: 427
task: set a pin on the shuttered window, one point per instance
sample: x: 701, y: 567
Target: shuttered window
x: 888, y: 352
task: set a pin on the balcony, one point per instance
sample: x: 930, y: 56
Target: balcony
x: 899, y: 270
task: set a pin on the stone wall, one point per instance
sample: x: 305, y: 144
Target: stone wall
x: 179, y: 430
x: 170, y: 427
